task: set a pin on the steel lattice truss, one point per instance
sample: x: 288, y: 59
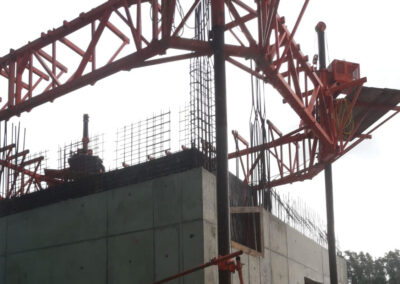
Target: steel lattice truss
x: 19, y: 172
x: 144, y: 33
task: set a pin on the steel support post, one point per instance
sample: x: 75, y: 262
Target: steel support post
x: 218, y: 41
x: 331, y: 224
x: 320, y: 28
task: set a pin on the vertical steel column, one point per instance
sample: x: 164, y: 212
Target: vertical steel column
x: 85, y: 138
x: 331, y: 224
x: 320, y: 28
x: 218, y: 41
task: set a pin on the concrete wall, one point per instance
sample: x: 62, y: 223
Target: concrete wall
x: 288, y: 258
x: 145, y: 232
x: 134, y: 234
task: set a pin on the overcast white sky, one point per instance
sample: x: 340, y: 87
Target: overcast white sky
x: 365, y: 180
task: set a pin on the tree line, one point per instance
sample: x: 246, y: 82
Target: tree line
x: 362, y: 268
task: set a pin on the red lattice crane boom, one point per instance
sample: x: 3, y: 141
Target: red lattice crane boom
x: 44, y: 70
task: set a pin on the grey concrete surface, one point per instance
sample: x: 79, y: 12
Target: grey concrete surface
x: 3, y: 236
x: 277, y: 235
x: 210, y: 250
x: 145, y: 232
x: 133, y: 234
x: 265, y: 267
x: 279, y: 268
x: 193, y: 250
x: 254, y: 270
x: 131, y: 256
x: 2, y: 269
x: 124, y: 206
x: 166, y: 247
x: 288, y: 257
x: 61, y: 223
x: 83, y: 262
x: 303, y: 250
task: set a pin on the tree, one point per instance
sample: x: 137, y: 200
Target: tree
x: 379, y: 272
x: 392, y: 266
x: 362, y: 268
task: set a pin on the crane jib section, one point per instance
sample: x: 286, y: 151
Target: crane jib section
x: 144, y: 32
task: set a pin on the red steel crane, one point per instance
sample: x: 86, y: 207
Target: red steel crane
x: 335, y: 111
x: 42, y: 71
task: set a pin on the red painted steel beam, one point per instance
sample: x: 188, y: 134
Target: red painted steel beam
x: 44, y: 65
x: 299, y: 176
x: 117, y: 32
x: 240, y: 22
x: 101, y: 13
x: 214, y: 261
x: 32, y: 161
x: 289, y: 138
x: 50, y: 59
x: 185, y: 18
x: 23, y: 153
x: 131, y: 61
x: 22, y: 170
x: 89, y: 52
x: 7, y: 148
x: 279, y: 62
x: 67, y: 28
x: 173, y: 58
x: 307, y: 116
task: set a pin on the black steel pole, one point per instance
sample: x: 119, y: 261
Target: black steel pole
x: 320, y: 28
x: 85, y: 138
x: 223, y: 219
x: 331, y: 224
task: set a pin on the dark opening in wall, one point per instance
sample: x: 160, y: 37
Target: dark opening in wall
x: 246, y: 229
x: 310, y: 281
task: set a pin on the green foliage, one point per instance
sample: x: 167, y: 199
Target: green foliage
x: 363, y: 269
x: 392, y: 265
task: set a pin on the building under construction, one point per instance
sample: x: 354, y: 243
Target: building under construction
x: 148, y: 222
x: 166, y: 216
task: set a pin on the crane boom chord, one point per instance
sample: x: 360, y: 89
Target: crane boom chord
x: 153, y: 32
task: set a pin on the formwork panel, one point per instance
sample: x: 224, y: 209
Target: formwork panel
x: 193, y: 250
x: 80, y: 263
x: 131, y: 258
x: 64, y: 222
x: 167, y: 252
x: 167, y: 201
x: 130, y: 208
